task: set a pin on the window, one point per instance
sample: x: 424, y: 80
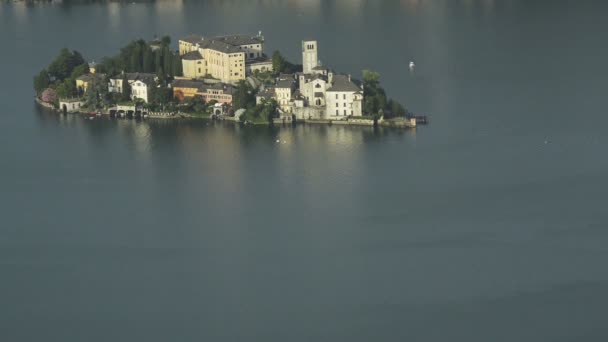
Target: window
x: 344, y: 96
x: 337, y: 114
x: 344, y: 104
x: 251, y: 55
x: 336, y: 96
x: 345, y: 112
x: 199, y: 70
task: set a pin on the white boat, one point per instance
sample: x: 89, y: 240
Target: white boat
x: 412, y: 65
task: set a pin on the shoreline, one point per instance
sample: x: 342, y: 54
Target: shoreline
x: 403, y: 124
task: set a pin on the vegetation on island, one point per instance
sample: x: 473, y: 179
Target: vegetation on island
x: 154, y: 57
x: 139, y: 56
x: 61, y: 74
x: 282, y: 65
x: 375, y: 102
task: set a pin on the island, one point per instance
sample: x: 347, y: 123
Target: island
x: 222, y: 77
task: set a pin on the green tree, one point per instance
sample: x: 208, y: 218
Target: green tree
x: 41, y: 81
x: 80, y: 70
x: 375, y: 97
x: 176, y: 66
x: 148, y: 60
x: 165, y: 40
x: 167, y: 60
x: 62, y: 67
x: 243, y: 96
x: 158, y: 60
x: 160, y: 95
x: 126, y: 88
x: 278, y: 62
x: 67, y: 89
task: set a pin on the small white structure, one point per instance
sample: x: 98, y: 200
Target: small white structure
x: 70, y: 106
x: 219, y: 109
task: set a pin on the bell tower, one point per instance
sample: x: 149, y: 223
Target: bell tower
x: 309, y: 55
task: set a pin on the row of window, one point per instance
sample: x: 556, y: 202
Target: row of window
x: 338, y: 112
x: 343, y: 96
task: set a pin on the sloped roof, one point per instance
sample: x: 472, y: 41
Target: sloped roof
x: 341, y: 83
x: 187, y: 84
x: 192, y: 56
x: 240, y: 39
x: 193, y: 39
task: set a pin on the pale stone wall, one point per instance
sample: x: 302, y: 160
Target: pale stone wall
x: 260, y: 67
x: 283, y: 97
x: 139, y: 90
x: 194, y: 68
x: 253, y: 51
x: 309, y: 55
x: 340, y: 104
x: 309, y: 113
x: 228, y: 67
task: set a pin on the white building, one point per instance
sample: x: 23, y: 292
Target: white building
x: 317, y: 92
x: 284, y: 88
x: 344, y: 98
x: 140, y: 84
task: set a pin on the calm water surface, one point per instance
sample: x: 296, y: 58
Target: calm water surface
x: 470, y: 229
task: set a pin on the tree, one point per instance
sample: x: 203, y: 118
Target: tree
x: 49, y: 95
x: 67, y: 89
x: 375, y: 96
x: 165, y: 40
x: 126, y: 88
x: 41, y: 81
x: 148, y: 60
x: 80, y: 70
x: 278, y: 62
x: 158, y: 60
x: 243, y: 96
x: 160, y: 95
x: 177, y: 66
x: 167, y: 62
x: 62, y: 67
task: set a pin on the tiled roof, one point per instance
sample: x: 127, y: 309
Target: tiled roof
x: 187, y: 84
x: 90, y: 77
x: 192, y: 39
x: 240, y: 39
x: 341, y: 83
x: 285, y: 83
x: 192, y: 56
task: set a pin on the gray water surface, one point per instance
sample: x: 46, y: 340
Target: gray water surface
x: 490, y: 224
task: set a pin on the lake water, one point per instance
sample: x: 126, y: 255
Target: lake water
x: 490, y: 224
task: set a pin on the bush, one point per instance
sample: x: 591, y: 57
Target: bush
x: 49, y: 95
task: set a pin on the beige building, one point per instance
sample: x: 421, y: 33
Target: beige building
x: 283, y: 90
x: 225, y: 58
x: 344, y: 98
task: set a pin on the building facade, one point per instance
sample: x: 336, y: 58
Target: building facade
x: 140, y: 84
x: 225, y: 58
x: 219, y: 92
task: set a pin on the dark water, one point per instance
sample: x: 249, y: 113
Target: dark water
x: 470, y: 229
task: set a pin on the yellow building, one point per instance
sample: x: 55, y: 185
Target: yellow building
x: 185, y: 88
x: 193, y: 64
x: 223, y: 58
x: 83, y: 82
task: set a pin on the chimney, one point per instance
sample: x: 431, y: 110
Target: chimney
x: 348, y: 77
